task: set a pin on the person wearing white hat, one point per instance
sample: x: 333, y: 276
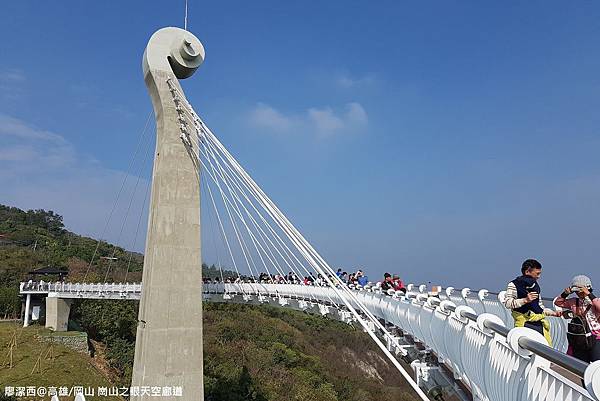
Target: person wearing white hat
x: 586, y: 306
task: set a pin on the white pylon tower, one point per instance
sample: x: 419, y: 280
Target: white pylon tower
x: 168, y: 349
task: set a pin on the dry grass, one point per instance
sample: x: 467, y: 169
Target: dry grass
x: 68, y: 368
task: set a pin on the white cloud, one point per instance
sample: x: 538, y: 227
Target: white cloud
x: 356, y: 114
x: 267, y: 117
x: 12, y: 82
x: 346, y: 81
x: 327, y: 122
x: 12, y: 75
x: 17, y: 153
x: 10, y: 126
x: 32, y: 147
x: 324, y: 121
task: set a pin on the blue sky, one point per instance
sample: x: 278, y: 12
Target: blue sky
x: 446, y: 141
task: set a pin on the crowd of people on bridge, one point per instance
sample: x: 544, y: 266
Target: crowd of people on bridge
x: 577, y: 302
x: 357, y: 279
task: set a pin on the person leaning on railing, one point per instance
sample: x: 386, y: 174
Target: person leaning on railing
x: 586, y: 345
x: 398, y: 284
x: 387, y: 283
x: 523, y: 299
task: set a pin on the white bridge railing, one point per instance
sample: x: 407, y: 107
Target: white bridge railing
x: 471, y: 333
x: 84, y: 290
x: 494, y: 366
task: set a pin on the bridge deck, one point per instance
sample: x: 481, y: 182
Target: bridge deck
x: 492, y: 366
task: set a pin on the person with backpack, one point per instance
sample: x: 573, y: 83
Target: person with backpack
x: 584, y: 329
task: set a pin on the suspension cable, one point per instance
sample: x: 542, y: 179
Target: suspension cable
x: 141, y: 136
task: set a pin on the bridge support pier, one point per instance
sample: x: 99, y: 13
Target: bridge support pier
x: 57, y: 313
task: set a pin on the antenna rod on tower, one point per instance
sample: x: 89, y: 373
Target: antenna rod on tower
x: 185, y: 18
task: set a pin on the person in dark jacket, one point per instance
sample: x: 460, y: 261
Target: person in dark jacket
x: 387, y: 283
x: 524, y: 300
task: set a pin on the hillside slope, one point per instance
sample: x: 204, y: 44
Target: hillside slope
x: 267, y: 353
x: 60, y: 367
x: 37, y: 238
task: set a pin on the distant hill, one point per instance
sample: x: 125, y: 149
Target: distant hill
x: 37, y: 238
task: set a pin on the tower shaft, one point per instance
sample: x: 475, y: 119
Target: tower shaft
x: 168, y: 351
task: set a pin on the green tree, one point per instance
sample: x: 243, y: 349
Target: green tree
x: 10, y: 303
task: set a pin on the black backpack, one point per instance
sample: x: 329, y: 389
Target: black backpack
x: 579, y: 334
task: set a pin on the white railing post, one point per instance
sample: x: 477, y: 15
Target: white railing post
x: 592, y: 379
x: 27, y: 305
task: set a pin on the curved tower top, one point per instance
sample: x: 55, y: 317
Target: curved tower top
x: 173, y: 50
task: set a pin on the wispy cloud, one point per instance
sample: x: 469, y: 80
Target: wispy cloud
x: 267, y: 117
x: 348, y: 81
x: 17, y: 153
x: 11, y: 75
x: 12, y: 83
x: 34, y: 147
x: 356, y: 114
x: 10, y: 126
x: 323, y: 121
